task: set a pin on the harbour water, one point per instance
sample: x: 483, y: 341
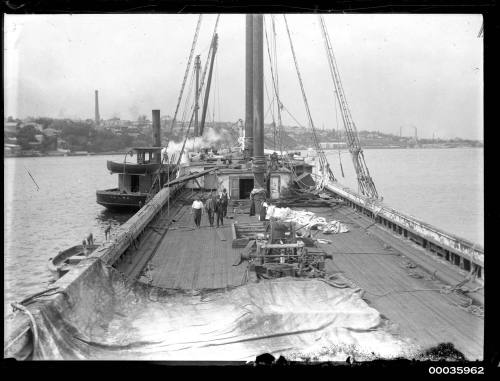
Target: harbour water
x: 443, y: 187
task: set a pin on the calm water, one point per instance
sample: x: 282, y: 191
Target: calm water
x: 40, y: 223
x: 443, y: 187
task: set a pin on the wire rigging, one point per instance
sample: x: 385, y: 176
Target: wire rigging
x: 365, y: 183
x: 207, y: 64
x: 324, y: 165
x: 188, y: 67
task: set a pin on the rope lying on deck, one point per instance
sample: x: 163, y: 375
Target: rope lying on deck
x: 34, y: 328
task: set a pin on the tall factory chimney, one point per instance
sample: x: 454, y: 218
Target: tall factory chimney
x: 97, y: 116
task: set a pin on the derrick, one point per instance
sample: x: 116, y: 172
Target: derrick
x: 365, y: 182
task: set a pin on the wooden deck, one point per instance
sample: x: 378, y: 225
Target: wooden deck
x: 191, y: 259
x: 400, y: 291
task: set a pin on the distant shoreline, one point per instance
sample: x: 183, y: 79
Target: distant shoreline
x: 402, y: 147
x: 61, y: 154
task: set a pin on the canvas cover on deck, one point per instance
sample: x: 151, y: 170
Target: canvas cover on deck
x: 101, y: 316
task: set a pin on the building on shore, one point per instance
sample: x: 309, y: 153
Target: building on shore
x: 333, y: 145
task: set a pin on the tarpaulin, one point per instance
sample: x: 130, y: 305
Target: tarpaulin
x: 104, y: 317
x: 305, y: 220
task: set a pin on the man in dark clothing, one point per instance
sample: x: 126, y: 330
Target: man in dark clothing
x: 263, y: 211
x: 274, y: 161
x: 219, y: 212
x: 224, y: 198
x: 210, y: 208
x: 252, y: 205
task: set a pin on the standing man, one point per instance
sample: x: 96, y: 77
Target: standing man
x: 210, y: 208
x: 224, y: 198
x: 263, y: 211
x: 252, y: 205
x: 90, y: 239
x: 274, y: 161
x: 107, y: 232
x: 197, y: 209
x: 219, y: 212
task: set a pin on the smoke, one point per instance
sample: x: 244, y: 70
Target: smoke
x: 133, y: 112
x: 209, y: 139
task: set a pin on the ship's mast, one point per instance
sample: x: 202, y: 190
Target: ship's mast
x: 207, y: 91
x: 259, y: 160
x: 248, y: 141
x: 197, y: 67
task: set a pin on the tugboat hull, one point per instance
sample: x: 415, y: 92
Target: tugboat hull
x: 115, y: 200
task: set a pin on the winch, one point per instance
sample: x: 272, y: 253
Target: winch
x: 279, y: 252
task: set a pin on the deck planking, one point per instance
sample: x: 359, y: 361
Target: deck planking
x: 428, y: 317
x: 189, y: 258
x: 195, y: 259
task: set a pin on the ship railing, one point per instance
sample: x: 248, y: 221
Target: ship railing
x: 466, y: 255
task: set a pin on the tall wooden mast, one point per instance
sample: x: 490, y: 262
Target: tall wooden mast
x: 259, y: 160
x: 248, y: 151
x: 207, y: 91
x: 197, y: 66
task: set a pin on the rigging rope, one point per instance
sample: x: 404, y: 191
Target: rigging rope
x: 338, y: 137
x: 325, y: 167
x: 207, y: 64
x: 365, y: 182
x: 274, y: 76
x: 193, y: 45
x: 187, y: 101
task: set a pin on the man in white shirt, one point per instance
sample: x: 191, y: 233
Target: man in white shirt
x: 197, y: 209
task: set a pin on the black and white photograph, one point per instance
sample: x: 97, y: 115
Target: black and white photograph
x: 248, y: 188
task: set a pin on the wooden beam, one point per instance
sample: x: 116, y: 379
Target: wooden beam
x: 189, y: 177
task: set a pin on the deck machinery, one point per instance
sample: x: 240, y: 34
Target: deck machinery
x: 280, y: 251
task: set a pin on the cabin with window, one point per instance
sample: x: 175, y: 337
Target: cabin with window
x: 238, y: 180
x: 136, y: 181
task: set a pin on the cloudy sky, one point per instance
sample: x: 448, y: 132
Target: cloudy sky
x: 423, y: 71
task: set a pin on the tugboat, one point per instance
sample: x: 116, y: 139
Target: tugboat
x: 137, y: 182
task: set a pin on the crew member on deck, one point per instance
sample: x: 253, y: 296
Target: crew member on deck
x: 107, y: 232
x: 197, y: 210
x: 224, y: 198
x: 219, y: 212
x: 274, y: 161
x: 210, y: 208
x: 263, y: 211
x: 252, y: 205
x: 90, y: 239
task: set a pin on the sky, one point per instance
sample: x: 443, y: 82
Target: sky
x: 399, y: 72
